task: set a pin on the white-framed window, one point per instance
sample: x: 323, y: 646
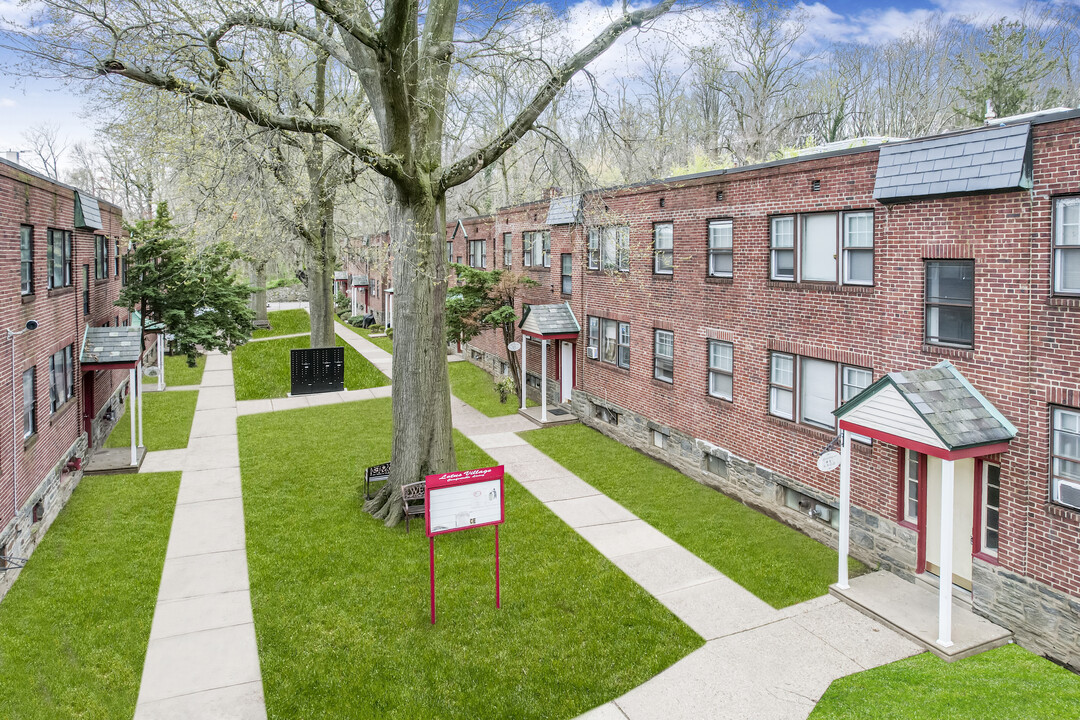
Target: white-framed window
x: 29, y: 402
x: 26, y: 259
x: 609, y: 248
x: 61, y: 378
x: 58, y: 258
x: 721, y: 369
x: 991, y: 508
x: 1067, y: 246
x: 720, y: 248
x: 664, y: 355
x: 663, y: 248
x: 809, y: 389
x: 566, y: 262
x: 659, y: 439
x: 824, y: 247
x: 611, y: 338
x: 449, y: 251
x: 715, y: 465
x: 477, y: 253
x: 950, y: 303
x: 1065, y: 457
x: 910, y: 501
x: 508, y: 249
x: 536, y: 248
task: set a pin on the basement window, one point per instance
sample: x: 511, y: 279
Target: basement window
x: 532, y: 380
x: 476, y: 355
x: 824, y: 514
x: 38, y: 513
x: 716, y: 465
x: 602, y: 413
x: 659, y: 439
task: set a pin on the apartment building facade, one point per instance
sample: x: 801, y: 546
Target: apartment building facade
x: 725, y: 316
x: 62, y: 271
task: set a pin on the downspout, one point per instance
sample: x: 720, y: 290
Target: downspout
x: 1030, y: 361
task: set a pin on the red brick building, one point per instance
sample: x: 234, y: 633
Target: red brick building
x: 62, y: 269
x: 725, y: 315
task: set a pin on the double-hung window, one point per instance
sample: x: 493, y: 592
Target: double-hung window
x: 808, y: 389
x: 910, y: 500
x: 101, y: 257
x: 721, y: 365
x: 26, y: 259
x: 536, y: 248
x: 1065, y: 454
x: 609, y: 248
x: 477, y: 253
x: 991, y: 508
x: 58, y: 258
x: 116, y: 258
x: 611, y: 338
x: 29, y: 403
x: 823, y: 247
x: 720, y: 248
x: 61, y: 378
x: 566, y: 262
x: 508, y: 250
x: 1067, y: 246
x: 449, y: 251
x: 663, y: 248
x: 950, y: 303
x: 664, y: 355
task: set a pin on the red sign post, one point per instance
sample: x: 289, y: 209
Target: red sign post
x: 462, y: 501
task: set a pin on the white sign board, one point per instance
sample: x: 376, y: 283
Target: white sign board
x: 514, y: 346
x: 827, y: 462
x: 462, y: 506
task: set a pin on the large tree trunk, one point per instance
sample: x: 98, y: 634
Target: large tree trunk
x: 321, y: 251
x: 259, y: 297
x: 423, y: 439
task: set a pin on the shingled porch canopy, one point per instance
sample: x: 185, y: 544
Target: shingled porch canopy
x: 159, y: 330
x: 546, y: 323
x: 117, y: 348
x: 934, y: 411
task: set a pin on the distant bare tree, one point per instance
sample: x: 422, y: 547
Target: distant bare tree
x: 47, y: 147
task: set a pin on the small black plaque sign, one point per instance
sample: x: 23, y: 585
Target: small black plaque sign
x: 317, y: 370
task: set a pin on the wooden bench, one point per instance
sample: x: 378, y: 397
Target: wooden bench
x: 412, y: 497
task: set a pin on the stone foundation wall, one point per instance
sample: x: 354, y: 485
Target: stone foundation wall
x: 22, y: 535
x: 1044, y: 620
x: 292, y: 293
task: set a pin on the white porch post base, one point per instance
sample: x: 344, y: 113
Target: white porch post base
x: 543, y: 381
x: 946, y: 561
x: 524, y: 344
x: 138, y: 398
x: 845, y: 510
x: 131, y: 412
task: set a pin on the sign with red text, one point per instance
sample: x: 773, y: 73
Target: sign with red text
x: 463, y: 500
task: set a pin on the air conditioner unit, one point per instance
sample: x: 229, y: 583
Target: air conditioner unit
x: 592, y: 353
x: 1068, y: 493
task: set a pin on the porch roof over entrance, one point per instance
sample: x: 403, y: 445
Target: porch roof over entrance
x: 934, y: 410
x: 111, y: 347
x: 549, y: 321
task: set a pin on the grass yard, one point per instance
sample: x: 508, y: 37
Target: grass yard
x: 178, y: 373
x: 775, y: 562
x: 261, y: 369
x: 383, y: 342
x: 285, y: 322
x: 477, y: 387
x: 77, y: 621
x: 341, y: 602
x: 1009, y: 683
x: 167, y: 420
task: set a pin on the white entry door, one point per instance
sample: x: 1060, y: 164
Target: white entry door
x: 963, y: 521
x: 566, y: 367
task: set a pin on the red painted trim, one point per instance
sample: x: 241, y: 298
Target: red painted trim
x: 464, y: 477
x: 901, y: 483
x: 110, y: 366
x: 573, y: 353
x: 920, y: 551
x: 976, y: 538
x: 557, y: 336
x: 958, y: 454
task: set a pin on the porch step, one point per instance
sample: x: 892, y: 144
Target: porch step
x: 556, y: 415
x: 912, y: 611
x: 113, y: 461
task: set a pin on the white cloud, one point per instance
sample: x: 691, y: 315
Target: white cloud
x: 7, y: 102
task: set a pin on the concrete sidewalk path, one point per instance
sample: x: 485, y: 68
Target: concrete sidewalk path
x: 757, y: 662
x: 202, y: 660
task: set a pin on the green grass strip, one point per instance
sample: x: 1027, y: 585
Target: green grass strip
x: 341, y: 602
x: 76, y: 624
x: 261, y: 369
x: 167, y: 420
x: 285, y: 322
x: 178, y: 373
x: 1009, y: 683
x: 477, y: 387
x: 775, y: 562
x: 385, y: 343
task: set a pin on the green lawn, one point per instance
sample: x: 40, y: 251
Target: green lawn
x: 1009, y: 683
x: 385, y: 343
x: 285, y: 322
x: 775, y: 562
x: 77, y: 621
x: 261, y: 369
x: 178, y: 373
x: 477, y: 387
x: 166, y: 421
x: 341, y: 602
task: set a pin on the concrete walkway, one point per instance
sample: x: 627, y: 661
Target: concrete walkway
x: 202, y: 660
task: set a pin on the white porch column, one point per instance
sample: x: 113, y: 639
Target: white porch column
x: 138, y: 400
x: 543, y: 380
x: 524, y: 344
x: 161, y: 361
x: 354, y: 301
x: 948, y: 479
x: 845, y: 510
x: 131, y: 412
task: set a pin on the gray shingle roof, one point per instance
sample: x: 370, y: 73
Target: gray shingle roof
x: 103, y: 345
x: 557, y: 319
x: 953, y: 408
x: 996, y: 158
x: 341, y: 275
x: 359, y: 280
x: 565, y: 210
x: 87, y: 212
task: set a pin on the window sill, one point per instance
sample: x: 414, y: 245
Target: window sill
x: 908, y: 524
x: 663, y: 275
x: 1063, y: 301
x: 609, y: 366
x: 1063, y: 513
x: 100, y: 281
x: 950, y: 352
x: 666, y: 384
x: 606, y: 271
x: 28, y: 298
x: 62, y: 410
x: 719, y: 280
x: 992, y: 559
x: 821, y: 287
x: 57, y: 292
x: 719, y: 401
x: 28, y: 443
